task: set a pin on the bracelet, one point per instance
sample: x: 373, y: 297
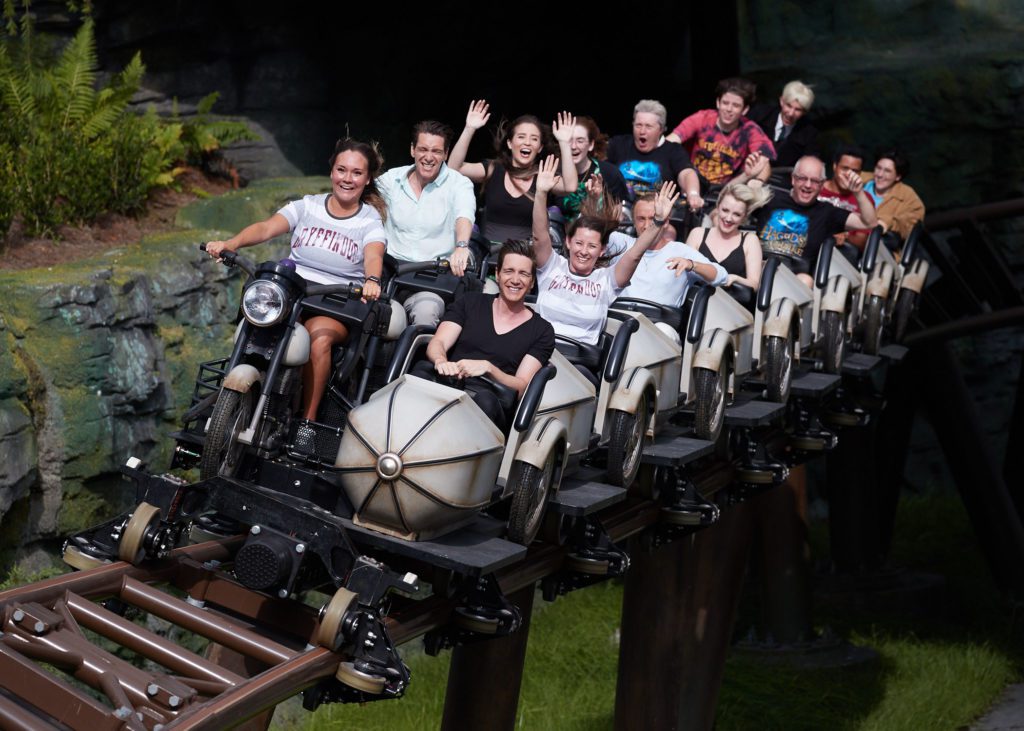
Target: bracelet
x: 692, y: 192
x: 375, y: 280
x: 693, y: 265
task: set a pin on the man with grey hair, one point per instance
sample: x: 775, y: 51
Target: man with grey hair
x: 787, y: 125
x: 646, y: 160
x: 796, y: 223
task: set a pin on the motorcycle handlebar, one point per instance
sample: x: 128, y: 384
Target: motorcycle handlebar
x: 233, y: 258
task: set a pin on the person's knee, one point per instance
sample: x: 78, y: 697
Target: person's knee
x: 424, y: 308
x: 670, y: 331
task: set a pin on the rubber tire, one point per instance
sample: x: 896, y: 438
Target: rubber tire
x: 778, y: 368
x: 232, y: 410
x: 834, y: 337
x: 329, y: 629
x: 904, y: 308
x: 472, y: 623
x: 76, y: 559
x: 529, y: 498
x: 709, y: 413
x: 347, y: 674
x: 593, y: 567
x: 130, y: 547
x: 626, y: 445
x: 874, y: 321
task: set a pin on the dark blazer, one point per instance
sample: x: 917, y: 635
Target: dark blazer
x: 802, y: 139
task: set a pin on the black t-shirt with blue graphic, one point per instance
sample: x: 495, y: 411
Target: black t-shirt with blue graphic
x: 786, y: 227
x: 645, y: 171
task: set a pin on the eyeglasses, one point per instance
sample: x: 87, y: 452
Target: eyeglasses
x: 807, y: 179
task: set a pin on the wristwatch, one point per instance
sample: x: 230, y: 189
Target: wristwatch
x: 461, y: 244
x: 659, y: 222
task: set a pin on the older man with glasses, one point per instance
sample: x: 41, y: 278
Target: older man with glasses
x: 795, y: 223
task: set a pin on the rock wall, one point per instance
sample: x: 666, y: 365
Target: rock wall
x: 97, y: 359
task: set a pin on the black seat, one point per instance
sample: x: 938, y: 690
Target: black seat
x: 654, y: 311
x: 591, y: 357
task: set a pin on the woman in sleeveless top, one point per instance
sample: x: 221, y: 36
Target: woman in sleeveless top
x: 739, y: 252
x: 509, y: 181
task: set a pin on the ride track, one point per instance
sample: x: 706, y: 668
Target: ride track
x: 58, y: 621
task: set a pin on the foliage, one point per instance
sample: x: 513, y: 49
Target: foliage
x: 202, y: 137
x: 71, y: 149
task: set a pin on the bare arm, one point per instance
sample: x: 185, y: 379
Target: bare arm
x: 251, y: 235
x: 459, y: 259
x: 629, y: 261
x: 562, y: 129
x: 527, y: 368
x: 546, y: 180
x: 866, y: 216
x: 689, y: 184
x: 373, y: 265
x: 437, y: 349
x: 475, y: 119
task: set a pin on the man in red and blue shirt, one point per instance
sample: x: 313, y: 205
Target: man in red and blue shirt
x: 720, y: 140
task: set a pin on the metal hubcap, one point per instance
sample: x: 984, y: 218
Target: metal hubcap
x: 389, y: 466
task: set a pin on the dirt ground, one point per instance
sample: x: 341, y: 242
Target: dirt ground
x: 74, y: 243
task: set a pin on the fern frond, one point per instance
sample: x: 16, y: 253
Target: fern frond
x: 206, y: 103
x: 74, y: 76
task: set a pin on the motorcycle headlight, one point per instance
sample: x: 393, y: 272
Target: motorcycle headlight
x: 263, y: 303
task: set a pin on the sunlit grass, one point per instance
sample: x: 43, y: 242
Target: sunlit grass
x: 935, y: 673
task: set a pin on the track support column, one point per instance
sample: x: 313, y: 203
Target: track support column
x: 484, y: 678
x: 678, y: 610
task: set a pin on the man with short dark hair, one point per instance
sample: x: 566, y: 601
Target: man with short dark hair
x: 721, y: 139
x: 430, y: 212
x: 847, y: 159
x: 797, y: 223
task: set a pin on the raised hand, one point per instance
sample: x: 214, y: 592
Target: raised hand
x: 665, y: 199
x: 562, y: 127
x: 478, y: 114
x: 754, y: 165
x: 852, y: 181
x: 546, y: 178
x: 595, y: 185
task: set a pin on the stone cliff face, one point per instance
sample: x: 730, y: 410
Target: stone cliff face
x: 97, y: 360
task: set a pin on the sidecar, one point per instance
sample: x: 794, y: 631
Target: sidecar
x: 420, y: 459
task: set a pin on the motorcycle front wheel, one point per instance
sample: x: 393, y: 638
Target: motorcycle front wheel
x: 222, y: 452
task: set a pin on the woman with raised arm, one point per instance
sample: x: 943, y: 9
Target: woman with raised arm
x: 337, y: 237
x: 739, y: 252
x: 574, y: 294
x: 509, y: 180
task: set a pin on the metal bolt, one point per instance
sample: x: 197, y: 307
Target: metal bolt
x: 123, y: 713
x: 283, y: 593
x: 255, y: 530
x: 152, y: 689
x: 368, y: 643
x: 371, y: 635
x: 298, y: 483
x: 18, y: 615
x: 39, y: 628
x: 300, y: 548
x: 174, y: 701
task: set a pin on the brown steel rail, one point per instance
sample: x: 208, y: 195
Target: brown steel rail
x: 47, y: 623
x: 985, y: 212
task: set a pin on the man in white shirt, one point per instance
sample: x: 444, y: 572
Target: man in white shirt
x: 431, y: 210
x: 653, y: 280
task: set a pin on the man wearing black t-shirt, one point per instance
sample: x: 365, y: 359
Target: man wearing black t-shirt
x: 645, y: 161
x: 796, y: 223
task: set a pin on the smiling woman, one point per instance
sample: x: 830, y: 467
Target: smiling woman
x: 336, y: 237
x: 509, y: 182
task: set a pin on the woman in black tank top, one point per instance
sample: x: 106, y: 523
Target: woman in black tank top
x: 509, y: 181
x: 739, y: 252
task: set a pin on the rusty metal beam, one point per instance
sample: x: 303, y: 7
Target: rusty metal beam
x: 985, y: 212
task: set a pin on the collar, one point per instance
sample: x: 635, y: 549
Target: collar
x: 439, y: 180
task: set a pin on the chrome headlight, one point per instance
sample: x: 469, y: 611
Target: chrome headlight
x: 263, y: 303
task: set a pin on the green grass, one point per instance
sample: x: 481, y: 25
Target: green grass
x: 939, y: 672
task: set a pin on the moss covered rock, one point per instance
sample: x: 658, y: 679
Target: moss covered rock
x: 97, y: 359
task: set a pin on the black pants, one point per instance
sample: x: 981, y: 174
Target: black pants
x: 478, y: 389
